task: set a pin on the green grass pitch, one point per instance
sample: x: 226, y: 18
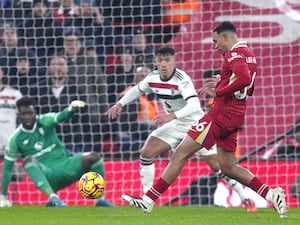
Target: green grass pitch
x: 184, y: 215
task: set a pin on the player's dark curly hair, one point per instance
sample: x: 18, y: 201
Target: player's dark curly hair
x: 25, y: 101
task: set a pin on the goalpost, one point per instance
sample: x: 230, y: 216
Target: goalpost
x: 271, y: 29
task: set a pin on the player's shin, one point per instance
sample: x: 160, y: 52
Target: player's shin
x: 38, y: 178
x: 147, y: 173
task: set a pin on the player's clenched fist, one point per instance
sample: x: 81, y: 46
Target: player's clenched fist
x: 114, y: 111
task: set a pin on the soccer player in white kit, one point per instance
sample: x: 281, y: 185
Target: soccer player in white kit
x: 176, y: 91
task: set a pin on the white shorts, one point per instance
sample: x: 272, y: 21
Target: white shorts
x: 175, y: 131
x: 205, y: 152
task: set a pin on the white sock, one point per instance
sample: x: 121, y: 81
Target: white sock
x: 147, y: 199
x: 269, y: 195
x: 235, y: 185
x: 147, y: 173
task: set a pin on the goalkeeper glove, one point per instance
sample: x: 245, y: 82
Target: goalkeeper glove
x: 76, y: 104
x: 4, y: 202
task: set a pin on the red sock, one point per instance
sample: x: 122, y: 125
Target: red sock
x: 157, y: 189
x: 259, y: 187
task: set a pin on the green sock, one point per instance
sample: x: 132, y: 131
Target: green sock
x: 38, y: 178
x: 99, y: 168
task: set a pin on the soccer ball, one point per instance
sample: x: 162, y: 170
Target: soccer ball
x: 91, y: 185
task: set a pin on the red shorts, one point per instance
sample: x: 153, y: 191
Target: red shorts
x: 207, y: 133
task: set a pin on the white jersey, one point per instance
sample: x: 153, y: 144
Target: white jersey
x: 8, y: 114
x: 173, y: 93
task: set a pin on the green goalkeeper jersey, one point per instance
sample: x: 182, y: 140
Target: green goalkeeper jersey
x: 42, y: 141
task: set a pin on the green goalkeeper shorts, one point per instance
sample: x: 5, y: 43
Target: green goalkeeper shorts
x: 64, y: 173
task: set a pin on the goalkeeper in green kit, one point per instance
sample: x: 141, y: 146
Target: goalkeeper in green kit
x: 46, y: 160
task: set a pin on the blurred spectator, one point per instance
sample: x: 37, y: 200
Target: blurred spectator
x: 90, y: 49
x: 9, y: 50
x: 8, y: 121
x: 133, y: 11
x: 26, y: 78
x: 15, y: 10
x: 55, y: 93
x: 142, y: 50
x: 123, y: 74
x: 137, y: 117
x: 96, y: 28
x: 88, y: 75
x: 8, y: 113
x: 64, y: 17
x: 38, y: 30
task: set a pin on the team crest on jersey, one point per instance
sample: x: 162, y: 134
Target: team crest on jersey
x: 234, y: 55
x: 25, y: 142
x: 38, y: 146
x: 41, y: 130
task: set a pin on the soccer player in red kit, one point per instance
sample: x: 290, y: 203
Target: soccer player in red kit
x: 221, y: 124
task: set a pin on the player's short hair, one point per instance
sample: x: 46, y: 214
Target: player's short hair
x: 165, y: 50
x: 225, y: 26
x: 25, y: 101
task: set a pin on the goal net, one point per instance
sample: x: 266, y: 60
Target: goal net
x: 58, y: 51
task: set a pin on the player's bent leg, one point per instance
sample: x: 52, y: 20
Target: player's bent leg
x: 182, y: 153
x: 89, y: 159
x: 151, y: 149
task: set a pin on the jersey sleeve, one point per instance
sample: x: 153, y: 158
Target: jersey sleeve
x: 187, y: 88
x: 52, y: 119
x: 12, y: 150
x: 189, y: 94
x: 143, y: 86
x: 9, y: 161
x: 240, y: 77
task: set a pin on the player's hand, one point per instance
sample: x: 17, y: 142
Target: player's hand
x: 4, y: 202
x: 209, y: 86
x: 165, y: 118
x: 114, y: 111
x: 76, y: 104
x: 206, y: 91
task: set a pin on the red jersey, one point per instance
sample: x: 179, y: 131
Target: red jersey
x: 237, y: 82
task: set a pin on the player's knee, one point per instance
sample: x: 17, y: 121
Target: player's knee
x: 146, y: 153
x: 28, y: 159
x: 90, y: 158
x: 213, y: 163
